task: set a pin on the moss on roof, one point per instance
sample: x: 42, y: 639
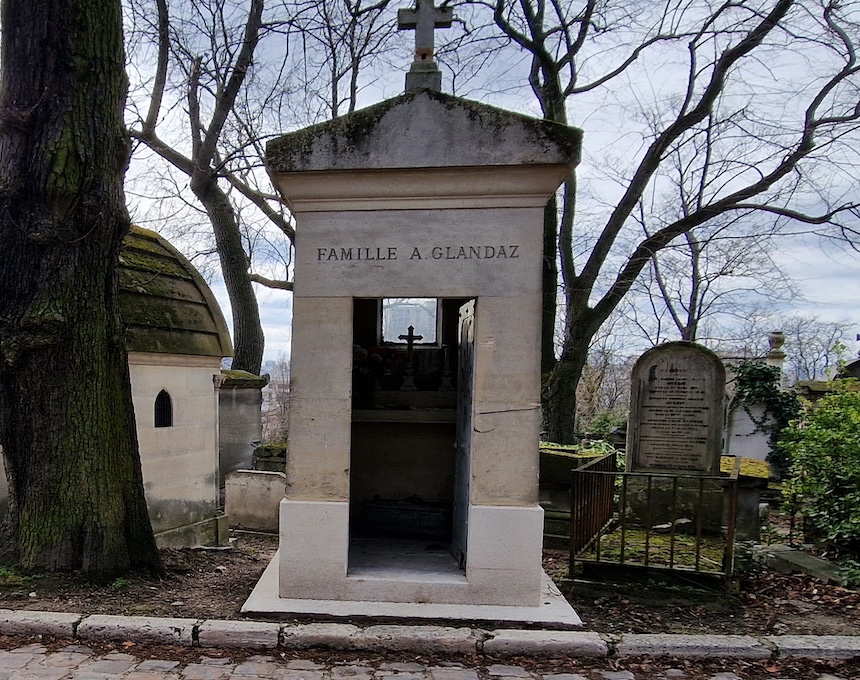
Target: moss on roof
x: 243, y: 379
x: 165, y: 304
x: 355, y: 140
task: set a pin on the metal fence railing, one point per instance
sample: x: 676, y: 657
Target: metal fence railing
x: 679, y: 522
x: 591, y: 501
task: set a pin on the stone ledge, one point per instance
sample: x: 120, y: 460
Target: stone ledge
x: 22, y: 622
x: 545, y: 642
x: 138, y: 628
x: 427, y: 639
x: 693, y: 646
x: 247, y: 634
x: 816, y: 646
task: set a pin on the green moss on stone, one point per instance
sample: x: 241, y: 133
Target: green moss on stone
x: 243, y: 379
x: 147, y: 262
x: 164, y: 303
x: 351, y: 132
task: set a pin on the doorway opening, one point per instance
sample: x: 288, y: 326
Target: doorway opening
x: 411, y: 427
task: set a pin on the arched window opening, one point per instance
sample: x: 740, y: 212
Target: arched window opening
x: 163, y: 410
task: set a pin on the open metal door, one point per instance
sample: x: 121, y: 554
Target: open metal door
x: 463, y: 456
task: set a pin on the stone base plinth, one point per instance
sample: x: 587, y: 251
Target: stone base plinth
x: 319, y: 560
x: 552, y: 611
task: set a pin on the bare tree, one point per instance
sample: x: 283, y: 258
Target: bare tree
x: 742, y: 67
x: 276, y: 402
x: 220, y: 76
x: 603, y: 392
x: 705, y: 282
x: 341, y: 40
x: 815, y: 349
x: 211, y: 53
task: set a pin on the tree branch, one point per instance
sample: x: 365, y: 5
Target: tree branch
x: 161, y: 67
x: 176, y: 159
x: 271, y: 283
x: 237, y: 76
x: 684, y: 122
x: 259, y: 199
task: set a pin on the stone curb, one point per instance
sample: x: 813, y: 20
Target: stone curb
x: 248, y: 634
x: 145, y: 629
x: 546, y: 643
x: 420, y: 638
x: 14, y: 622
x: 327, y: 635
x: 692, y: 646
x: 816, y: 646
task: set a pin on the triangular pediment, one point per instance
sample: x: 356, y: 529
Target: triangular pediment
x: 424, y: 129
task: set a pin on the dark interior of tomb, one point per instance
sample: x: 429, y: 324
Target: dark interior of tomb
x: 404, y: 427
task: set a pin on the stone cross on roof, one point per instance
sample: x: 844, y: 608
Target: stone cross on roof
x: 424, y: 20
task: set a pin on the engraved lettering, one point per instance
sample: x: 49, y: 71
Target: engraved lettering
x: 446, y: 252
x: 677, y: 408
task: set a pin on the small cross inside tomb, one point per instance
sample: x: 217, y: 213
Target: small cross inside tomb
x: 410, y: 338
x: 408, y: 374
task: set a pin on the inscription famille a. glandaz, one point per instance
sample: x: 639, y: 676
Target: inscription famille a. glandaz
x: 375, y: 253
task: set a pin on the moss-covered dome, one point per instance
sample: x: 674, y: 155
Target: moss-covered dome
x: 165, y: 304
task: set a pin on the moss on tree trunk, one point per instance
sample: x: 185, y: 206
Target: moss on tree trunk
x: 66, y: 416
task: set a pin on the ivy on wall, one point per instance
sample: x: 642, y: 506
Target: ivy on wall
x: 757, y: 385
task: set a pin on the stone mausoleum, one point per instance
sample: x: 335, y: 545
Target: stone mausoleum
x: 176, y: 337
x: 412, y: 472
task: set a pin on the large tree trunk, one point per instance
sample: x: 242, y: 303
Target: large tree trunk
x: 559, y: 402
x: 66, y: 416
x: 247, y: 330
x: 559, y: 395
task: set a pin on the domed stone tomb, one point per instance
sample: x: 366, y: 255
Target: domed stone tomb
x: 176, y: 337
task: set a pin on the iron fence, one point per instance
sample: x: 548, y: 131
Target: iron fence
x: 591, y: 501
x: 679, y: 522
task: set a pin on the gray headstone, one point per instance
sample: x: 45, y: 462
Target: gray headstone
x: 676, y: 410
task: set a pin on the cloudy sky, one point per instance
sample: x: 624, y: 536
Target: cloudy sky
x: 826, y: 274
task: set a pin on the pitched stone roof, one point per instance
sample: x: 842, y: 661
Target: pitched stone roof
x: 424, y: 129
x: 165, y: 304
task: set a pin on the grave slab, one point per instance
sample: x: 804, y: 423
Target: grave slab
x: 676, y: 410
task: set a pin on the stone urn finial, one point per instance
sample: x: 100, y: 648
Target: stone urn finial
x: 776, y: 339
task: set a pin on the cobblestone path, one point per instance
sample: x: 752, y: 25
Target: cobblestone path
x: 78, y: 662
